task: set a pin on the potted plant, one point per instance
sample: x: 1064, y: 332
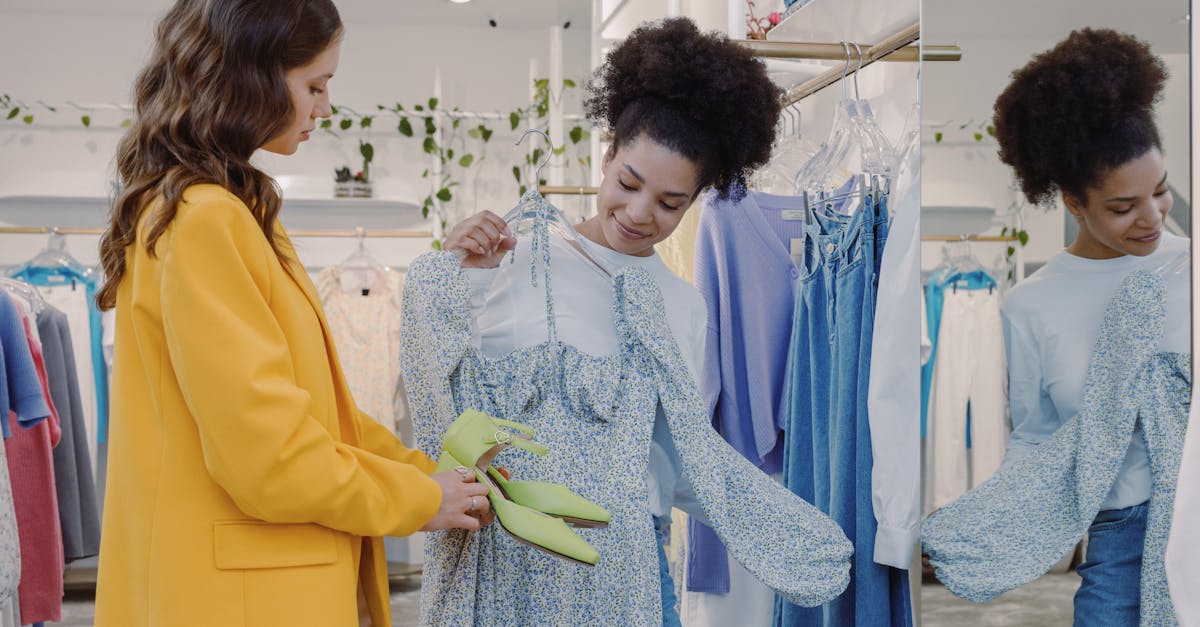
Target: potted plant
x: 357, y: 185
x: 342, y: 180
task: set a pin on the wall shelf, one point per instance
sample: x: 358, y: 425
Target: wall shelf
x: 837, y: 20
x: 91, y: 212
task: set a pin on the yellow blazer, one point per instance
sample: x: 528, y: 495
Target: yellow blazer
x: 244, y: 488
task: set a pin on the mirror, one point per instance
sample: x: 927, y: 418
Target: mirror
x: 1016, y: 292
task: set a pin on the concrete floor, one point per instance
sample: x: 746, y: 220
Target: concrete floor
x: 1043, y: 603
x: 79, y: 608
x: 1046, y: 602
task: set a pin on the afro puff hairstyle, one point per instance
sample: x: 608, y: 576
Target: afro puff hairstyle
x: 1079, y: 110
x: 699, y: 95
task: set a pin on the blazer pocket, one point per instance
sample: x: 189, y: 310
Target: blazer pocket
x: 241, y: 545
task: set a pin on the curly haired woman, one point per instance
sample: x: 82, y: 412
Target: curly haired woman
x: 688, y: 112
x: 1078, y: 122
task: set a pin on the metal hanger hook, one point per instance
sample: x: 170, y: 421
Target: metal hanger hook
x: 537, y: 174
x: 857, y: 48
x: 845, y: 68
x: 795, y: 107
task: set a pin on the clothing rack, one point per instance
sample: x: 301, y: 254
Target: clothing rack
x: 1018, y: 256
x: 48, y: 230
x: 897, y: 44
x: 566, y: 190
x: 968, y: 238
x: 837, y: 52
x: 391, y: 233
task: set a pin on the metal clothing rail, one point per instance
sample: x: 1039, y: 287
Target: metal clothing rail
x: 870, y: 54
x: 566, y: 190
x: 48, y: 230
x: 392, y: 233
x: 347, y: 233
x: 968, y: 238
x: 837, y: 52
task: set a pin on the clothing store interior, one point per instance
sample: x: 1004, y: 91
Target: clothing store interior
x: 842, y: 365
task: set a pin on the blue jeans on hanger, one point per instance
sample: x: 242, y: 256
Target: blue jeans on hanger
x: 827, y: 459
x: 669, y: 613
x: 1110, y: 594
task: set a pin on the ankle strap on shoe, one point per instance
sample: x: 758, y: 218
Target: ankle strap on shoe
x: 516, y: 426
x: 519, y: 440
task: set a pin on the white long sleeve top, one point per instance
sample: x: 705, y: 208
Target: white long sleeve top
x: 1051, y: 321
x: 510, y: 313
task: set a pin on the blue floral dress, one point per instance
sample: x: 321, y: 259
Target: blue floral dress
x: 596, y: 415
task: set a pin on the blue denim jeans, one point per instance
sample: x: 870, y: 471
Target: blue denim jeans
x: 1112, y: 569
x: 827, y: 459
x: 670, y: 614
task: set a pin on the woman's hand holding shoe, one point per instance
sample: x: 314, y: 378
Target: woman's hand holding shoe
x: 464, y: 503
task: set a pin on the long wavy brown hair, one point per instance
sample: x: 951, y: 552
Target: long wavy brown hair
x: 212, y: 93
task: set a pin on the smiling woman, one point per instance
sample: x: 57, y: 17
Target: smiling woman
x: 1077, y: 122
x: 689, y: 111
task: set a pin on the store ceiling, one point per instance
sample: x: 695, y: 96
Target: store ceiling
x: 507, y: 13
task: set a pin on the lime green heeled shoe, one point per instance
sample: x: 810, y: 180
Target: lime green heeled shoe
x: 528, y: 526
x: 475, y: 435
x: 552, y: 499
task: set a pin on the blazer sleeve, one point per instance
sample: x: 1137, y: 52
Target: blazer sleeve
x: 380, y: 440
x: 259, y: 437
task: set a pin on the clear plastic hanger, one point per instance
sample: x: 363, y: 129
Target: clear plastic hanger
x: 790, y: 152
x: 967, y: 261
x: 910, y: 139
x: 815, y: 174
x: 55, y: 256
x: 533, y: 212
x: 1180, y: 264
x: 361, y: 270
x: 24, y: 291
x: 878, y: 155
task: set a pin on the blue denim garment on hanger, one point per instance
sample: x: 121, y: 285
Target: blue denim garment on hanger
x: 595, y: 414
x: 1015, y: 526
x: 827, y: 457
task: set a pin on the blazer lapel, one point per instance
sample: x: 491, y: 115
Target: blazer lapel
x: 347, y: 409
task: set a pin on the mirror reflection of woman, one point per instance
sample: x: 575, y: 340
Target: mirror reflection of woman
x: 1078, y: 123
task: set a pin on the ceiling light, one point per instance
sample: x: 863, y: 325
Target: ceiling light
x: 460, y: 1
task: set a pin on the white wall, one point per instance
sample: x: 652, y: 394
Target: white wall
x: 93, y: 58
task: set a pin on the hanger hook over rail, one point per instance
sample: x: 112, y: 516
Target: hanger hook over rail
x: 537, y: 174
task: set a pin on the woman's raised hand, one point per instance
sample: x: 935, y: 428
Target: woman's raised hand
x: 480, y: 241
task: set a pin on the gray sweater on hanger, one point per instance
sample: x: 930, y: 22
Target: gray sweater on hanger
x: 78, y: 509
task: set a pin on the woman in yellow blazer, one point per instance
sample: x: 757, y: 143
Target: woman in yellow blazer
x: 244, y: 487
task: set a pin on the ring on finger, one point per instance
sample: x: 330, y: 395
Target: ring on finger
x: 474, y: 507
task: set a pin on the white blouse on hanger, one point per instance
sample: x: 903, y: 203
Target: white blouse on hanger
x: 365, y: 324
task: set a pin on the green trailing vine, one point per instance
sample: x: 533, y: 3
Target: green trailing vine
x: 440, y: 131
x: 977, y: 133
x: 11, y: 109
